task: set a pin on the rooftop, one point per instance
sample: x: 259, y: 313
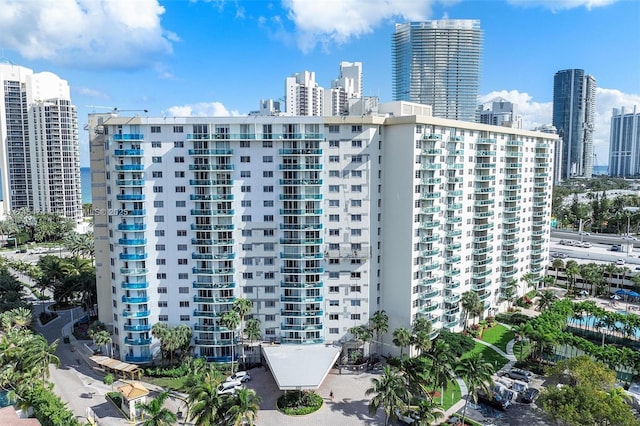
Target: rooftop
x: 297, y: 367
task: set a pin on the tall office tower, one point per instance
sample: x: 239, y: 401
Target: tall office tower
x: 624, y: 143
x: 347, y: 86
x: 320, y: 221
x: 437, y: 63
x: 500, y: 112
x: 39, y: 146
x: 303, y: 95
x: 574, y: 99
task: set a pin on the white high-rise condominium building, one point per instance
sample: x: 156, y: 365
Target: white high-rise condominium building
x: 303, y: 95
x: 39, y: 146
x: 624, y: 143
x: 437, y: 63
x: 347, y: 86
x: 500, y: 112
x: 320, y: 221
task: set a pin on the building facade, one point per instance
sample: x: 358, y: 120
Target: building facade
x: 346, y: 87
x: 624, y: 143
x: 39, y: 145
x: 500, y: 112
x: 303, y: 96
x: 320, y: 221
x: 574, y: 100
x: 437, y: 63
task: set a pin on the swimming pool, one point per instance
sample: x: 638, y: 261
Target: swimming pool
x: 591, y: 321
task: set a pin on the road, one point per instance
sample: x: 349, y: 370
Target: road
x: 609, y: 239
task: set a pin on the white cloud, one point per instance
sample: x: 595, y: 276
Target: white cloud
x: 120, y: 34
x: 92, y: 93
x: 201, y: 109
x: 320, y: 23
x: 535, y: 114
x: 557, y: 5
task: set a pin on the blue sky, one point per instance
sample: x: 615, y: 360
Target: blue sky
x: 221, y: 57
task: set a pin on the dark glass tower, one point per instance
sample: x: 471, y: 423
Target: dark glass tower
x: 574, y: 97
x: 437, y: 63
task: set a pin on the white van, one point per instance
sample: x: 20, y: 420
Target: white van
x: 241, y: 376
x: 229, y: 388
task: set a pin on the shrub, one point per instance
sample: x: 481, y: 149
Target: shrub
x: 116, y: 398
x: 513, y: 318
x: 180, y: 371
x: 458, y: 343
x: 108, y: 379
x: 49, y: 409
x: 299, y: 403
x: 45, y: 317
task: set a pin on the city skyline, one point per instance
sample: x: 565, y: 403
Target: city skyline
x: 203, y: 57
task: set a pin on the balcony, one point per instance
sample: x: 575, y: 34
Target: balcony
x: 429, y: 266
x: 431, y: 166
x: 137, y: 328
x: 136, y: 314
x: 130, y: 182
x: 214, y: 342
x: 210, y: 182
x: 302, y: 271
x: 135, y: 300
x: 128, y: 137
x: 429, y: 225
x: 301, y: 299
x: 429, y: 195
x: 132, y: 256
x: 209, y: 271
x: 138, y: 359
x: 289, y: 284
x: 484, y: 250
x: 300, y: 212
x: 213, y: 256
x: 479, y: 275
x: 130, y: 167
x: 429, y: 308
x: 210, y: 152
x: 429, y: 210
x: 137, y: 342
x: 509, y: 262
x: 300, y: 226
x: 212, y: 227
x: 452, y: 273
x: 429, y: 253
x: 455, y: 193
x: 452, y: 285
x: 485, y: 165
x: 454, y: 206
x: 508, y: 274
x: 214, y: 299
x: 207, y: 314
x: 454, y: 233
x: 299, y: 182
x: 454, y: 298
x: 220, y: 286
x: 211, y: 197
x: 485, y: 190
x: 208, y: 212
x: 485, y: 178
x: 431, y: 181
x: 132, y: 226
x: 432, y: 137
x: 432, y: 151
x: 132, y: 241
x: 483, y: 215
x: 300, y: 167
x: 429, y: 238
x: 308, y: 313
x: 295, y: 197
x: 481, y: 203
x: 136, y: 212
x: 210, y: 167
x: 128, y: 152
x: 300, y: 327
x: 456, y: 152
x: 453, y: 246
x: 483, y: 227
x: 485, y: 154
x: 301, y: 255
x: 300, y: 151
x: 429, y: 281
x: 453, y: 259
x: 134, y: 271
x: 210, y: 242
x: 140, y: 285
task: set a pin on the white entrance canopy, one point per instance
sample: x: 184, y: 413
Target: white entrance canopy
x: 298, y: 367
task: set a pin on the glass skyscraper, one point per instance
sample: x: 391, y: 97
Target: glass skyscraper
x: 574, y: 98
x: 437, y: 63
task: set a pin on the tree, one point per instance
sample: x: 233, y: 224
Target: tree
x: 362, y: 335
x: 252, y: 329
x: 160, y: 331
x: 231, y: 320
x: 156, y: 414
x: 546, y: 299
x: 203, y: 400
x: 471, y: 305
x: 428, y: 413
x: 80, y: 244
x: 242, y: 306
x: 38, y: 354
x: 401, y: 338
x: 390, y: 392
x: 442, y: 360
x: 476, y: 372
x: 571, y: 269
x: 421, y: 337
x: 557, y: 264
x: 101, y: 338
x: 243, y: 408
x: 379, y: 323
x: 531, y: 281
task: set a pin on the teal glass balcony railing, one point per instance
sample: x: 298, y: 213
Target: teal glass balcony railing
x: 130, y: 182
x: 210, y: 182
x: 128, y: 152
x: 135, y: 300
x: 136, y: 314
x: 212, y: 226
x: 134, y: 271
x: 132, y: 241
x: 211, y: 167
x: 130, y: 167
x: 141, y: 285
x: 136, y: 212
x: 130, y: 197
x: 300, y: 151
x: 128, y: 137
x: 132, y: 256
x: 210, y: 197
x: 208, y: 212
x: 210, y: 152
x: 132, y: 226
x: 137, y: 342
x: 137, y: 328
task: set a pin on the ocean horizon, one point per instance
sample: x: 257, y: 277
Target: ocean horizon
x: 600, y: 170
x: 85, y: 184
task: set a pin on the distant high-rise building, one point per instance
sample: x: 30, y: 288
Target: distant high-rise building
x: 39, y: 146
x: 574, y: 98
x: 347, y: 86
x: 303, y: 95
x: 500, y: 112
x: 624, y: 143
x: 437, y: 63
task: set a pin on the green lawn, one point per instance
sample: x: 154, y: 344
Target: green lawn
x: 450, y: 396
x: 526, y: 349
x: 498, y: 335
x: 167, y: 382
x: 497, y: 360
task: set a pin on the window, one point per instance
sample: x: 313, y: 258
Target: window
x: 156, y: 160
x: 334, y: 232
x: 334, y: 289
x: 181, y: 233
x: 246, y: 232
x: 355, y: 232
x: 356, y: 158
x: 245, y: 188
x: 160, y: 247
x: 333, y: 330
x: 334, y: 144
x: 270, y: 317
x: 334, y: 261
x: 267, y: 159
x: 162, y: 304
x: 356, y: 144
x: 178, y: 159
x: 334, y: 246
x: 334, y: 129
x: 334, y: 188
x: 245, y: 203
x: 158, y: 219
x: 334, y: 218
x: 178, y: 129
x: 247, y: 275
x: 356, y: 203
x: 269, y: 303
x: 334, y: 303
x: 334, y: 275
x: 356, y: 188
x: 181, y: 218
x: 163, y: 318
x: 356, y: 173
x: 162, y: 290
x: 247, y: 260
x: 355, y: 303
x: 156, y: 174
x: 155, y: 129
x: 181, y: 203
x: 245, y: 159
x: 357, y: 128
x: 334, y: 173
x: 267, y: 188
x: 157, y: 189
x: 245, y: 144
x: 268, y: 218
x: 334, y: 158
x: 355, y: 316
x: 161, y: 276
x: 334, y: 317
x: 156, y: 144
x: 268, y: 232
x: 267, y: 144
x: 245, y: 174
x: 181, y: 189
x: 334, y: 203
x: 186, y: 317
x: 269, y: 275
x: 355, y: 288
x: 355, y: 275
x: 247, y: 289
x: 356, y: 217
x: 267, y: 203
x: 183, y: 276
x: 270, y: 289
x: 161, y: 261
x: 159, y: 233
x: 182, y: 247
x: 158, y: 204
x: 184, y: 303
x: 268, y: 247
x: 246, y: 218
x: 178, y: 144
x: 179, y: 174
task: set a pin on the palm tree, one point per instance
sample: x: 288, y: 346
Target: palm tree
x: 476, y: 372
x: 530, y: 280
x: 231, y: 320
x: 428, y: 413
x: 37, y: 355
x: 203, y: 400
x: 160, y: 331
x: 362, y: 335
x: 21, y: 317
x: 571, y: 269
x: 401, y: 338
x: 379, y: 324
x: 442, y: 361
x: 470, y: 301
x: 80, y: 244
x: 421, y: 337
x: 391, y: 393
x: 243, y: 409
x: 252, y: 329
x: 157, y: 414
x: 557, y: 264
x: 546, y: 299
x: 101, y: 338
x: 242, y: 306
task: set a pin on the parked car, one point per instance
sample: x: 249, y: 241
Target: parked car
x: 586, y: 244
x: 583, y: 233
x: 519, y: 374
x: 229, y: 388
x: 530, y: 395
x: 241, y: 376
x: 620, y: 262
x: 615, y: 248
x: 563, y: 242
